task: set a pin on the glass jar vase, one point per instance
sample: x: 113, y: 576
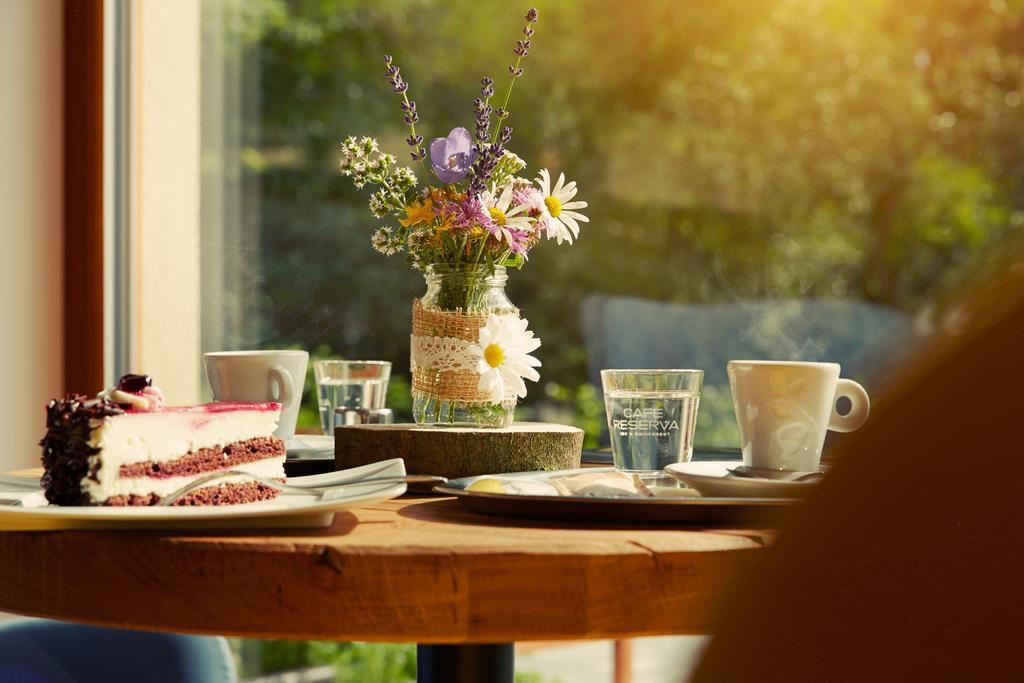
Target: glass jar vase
x: 446, y: 323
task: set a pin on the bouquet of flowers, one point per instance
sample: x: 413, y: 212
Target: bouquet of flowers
x: 462, y: 221
x: 474, y: 208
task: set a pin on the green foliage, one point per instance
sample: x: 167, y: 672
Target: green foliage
x: 581, y: 406
x: 716, y: 421
x: 352, y: 662
x: 531, y: 677
x: 367, y: 662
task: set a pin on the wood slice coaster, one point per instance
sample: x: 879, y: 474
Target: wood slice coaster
x: 455, y: 452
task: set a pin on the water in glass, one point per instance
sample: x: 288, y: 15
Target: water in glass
x: 651, y: 429
x: 351, y: 393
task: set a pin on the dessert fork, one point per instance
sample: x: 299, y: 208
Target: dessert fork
x: 334, y: 490
x: 774, y: 475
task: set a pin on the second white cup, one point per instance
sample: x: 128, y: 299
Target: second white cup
x: 259, y: 377
x: 783, y: 410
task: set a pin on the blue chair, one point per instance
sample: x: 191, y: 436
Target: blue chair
x: 627, y: 332
x: 43, y: 651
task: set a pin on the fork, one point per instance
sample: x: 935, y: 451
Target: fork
x: 322, y: 493
x: 771, y: 475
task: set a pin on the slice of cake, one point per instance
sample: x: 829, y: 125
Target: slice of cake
x: 125, y: 447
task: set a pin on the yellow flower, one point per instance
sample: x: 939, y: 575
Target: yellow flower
x: 418, y: 212
x: 498, y: 216
x: 446, y: 222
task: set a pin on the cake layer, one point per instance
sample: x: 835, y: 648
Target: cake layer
x: 165, y: 435
x: 126, y: 444
x: 208, y: 459
x: 227, y: 494
x: 169, y: 434
x: 115, y: 486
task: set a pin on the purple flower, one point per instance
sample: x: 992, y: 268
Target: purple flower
x: 518, y: 241
x: 489, y: 157
x: 411, y: 117
x: 470, y: 213
x: 452, y: 157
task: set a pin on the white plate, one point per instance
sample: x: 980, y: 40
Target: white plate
x: 307, y: 446
x: 712, y: 479
x: 287, y: 510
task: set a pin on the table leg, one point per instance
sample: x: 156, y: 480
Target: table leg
x: 623, y: 670
x: 466, y: 663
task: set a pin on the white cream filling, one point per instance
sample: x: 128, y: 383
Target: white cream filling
x: 143, y: 486
x: 164, y: 436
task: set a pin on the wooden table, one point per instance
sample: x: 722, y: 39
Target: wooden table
x: 464, y: 586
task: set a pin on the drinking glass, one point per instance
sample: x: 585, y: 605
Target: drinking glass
x: 352, y: 384
x: 651, y: 416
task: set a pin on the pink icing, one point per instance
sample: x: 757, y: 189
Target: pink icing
x: 218, y: 407
x: 227, y: 406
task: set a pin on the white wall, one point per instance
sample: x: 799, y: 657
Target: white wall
x: 165, y: 189
x: 31, y: 270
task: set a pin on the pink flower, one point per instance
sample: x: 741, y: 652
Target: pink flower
x: 531, y: 197
x: 470, y: 213
x: 518, y: 240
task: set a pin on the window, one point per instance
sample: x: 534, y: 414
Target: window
x: 794, y: 179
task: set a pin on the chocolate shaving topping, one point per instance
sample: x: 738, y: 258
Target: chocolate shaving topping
x: 66, y: 448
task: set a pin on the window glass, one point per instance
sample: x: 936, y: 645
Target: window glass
x: 806, y: 179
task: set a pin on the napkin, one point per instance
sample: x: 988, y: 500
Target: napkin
x: 602, y: 485
x: 587, y: 484
x: 28, y: 499
x: 23, y: 489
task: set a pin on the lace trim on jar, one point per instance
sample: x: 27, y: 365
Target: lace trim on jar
x: 441, y: 362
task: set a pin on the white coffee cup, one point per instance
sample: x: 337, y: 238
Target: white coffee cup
x: 259, y: 377
x: 784, y: 409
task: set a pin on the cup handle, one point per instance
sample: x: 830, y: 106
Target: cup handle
x: 860, y: 406
x: 283, y: 379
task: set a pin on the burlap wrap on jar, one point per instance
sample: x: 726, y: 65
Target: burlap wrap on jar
x: 443, y: 368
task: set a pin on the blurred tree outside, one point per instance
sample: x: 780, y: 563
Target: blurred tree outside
x: 742, y: 150
x: 734, y: 151
x: 352, y: 662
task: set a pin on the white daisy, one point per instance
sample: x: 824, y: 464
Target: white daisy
x: 505, y: 218
x: 562, y: 222
x: 503, y: 356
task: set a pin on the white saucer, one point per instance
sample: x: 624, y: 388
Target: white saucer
x: 712, y: 479
x: 310, y: 446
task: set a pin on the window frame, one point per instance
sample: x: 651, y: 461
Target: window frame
x: 131, y: 258
x: 83, y: 251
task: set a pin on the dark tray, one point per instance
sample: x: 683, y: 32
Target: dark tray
x: 668, y: 510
